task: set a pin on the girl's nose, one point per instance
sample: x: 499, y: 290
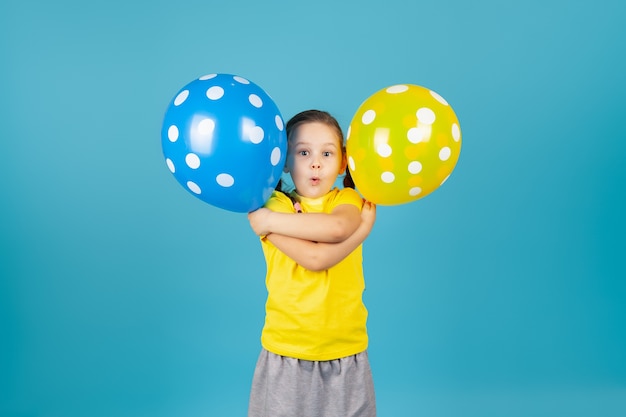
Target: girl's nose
x: 315, y: 164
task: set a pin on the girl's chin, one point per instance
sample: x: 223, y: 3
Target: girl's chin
x: 312, y: 191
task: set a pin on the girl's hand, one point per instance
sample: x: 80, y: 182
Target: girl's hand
x: 368, y: 214
x: 259, y: 221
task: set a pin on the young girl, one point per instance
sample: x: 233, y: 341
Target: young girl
x: 314, y: 361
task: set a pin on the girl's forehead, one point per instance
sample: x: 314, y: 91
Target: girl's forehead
x: 315, y: 133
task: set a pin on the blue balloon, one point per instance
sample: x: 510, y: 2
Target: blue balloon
x: 224, y: 140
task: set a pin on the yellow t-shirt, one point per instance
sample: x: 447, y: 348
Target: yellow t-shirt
x: 311, y: 315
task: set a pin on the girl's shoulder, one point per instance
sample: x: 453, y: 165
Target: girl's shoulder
x: 345, y: 196
x: 278, y: 195
x: 349, y: 192
x: 279, y: 201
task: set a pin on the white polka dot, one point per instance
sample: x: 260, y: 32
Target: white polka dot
x: 279, y: 122
x: 192, y: 160
x: 387, y: 177
x: 241, y: 80
x: 206, y: 126
x: 415, y: 191
x: 395, y: 89
x: 444, y: 153
x: 207, y: 77
x: 225, y: 180
x: 255, y: 101
x: 439, y: 98
x: 351, y: 163
x: 172, y: 133
x: 368, y: 117
x: 384, y: 150
x: 415, y: 167
x: 170, y: 165
x: 215, y: 93
x: 417, y: 134
x: 181, y: 97
x: 275, y: 156
x: 426, y: 116
x: 194, y: 187
x: 256, y: 134
x: 456, y: 132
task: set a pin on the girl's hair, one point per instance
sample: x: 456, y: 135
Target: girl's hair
x: 319, y: 116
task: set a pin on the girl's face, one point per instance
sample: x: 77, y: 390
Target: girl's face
x: 314, y: 159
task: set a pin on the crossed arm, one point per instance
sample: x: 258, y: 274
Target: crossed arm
x: 316, y: 241
x: 332, y: 227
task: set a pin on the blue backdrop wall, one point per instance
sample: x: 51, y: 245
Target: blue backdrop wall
x: 501, y: 294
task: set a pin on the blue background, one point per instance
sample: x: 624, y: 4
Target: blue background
x: 501, y: 294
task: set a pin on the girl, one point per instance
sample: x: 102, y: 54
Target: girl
x: 314, y: 361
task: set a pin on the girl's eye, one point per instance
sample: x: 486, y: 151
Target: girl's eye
x: 327, y: 153
x: 303, y: 153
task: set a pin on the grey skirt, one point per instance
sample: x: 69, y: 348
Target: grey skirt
x: 288, y: 387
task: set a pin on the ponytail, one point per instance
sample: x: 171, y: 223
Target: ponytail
x: 348, y: 182
x: 279, y: 186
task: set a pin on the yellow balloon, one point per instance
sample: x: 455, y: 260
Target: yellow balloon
x: 402, y: 144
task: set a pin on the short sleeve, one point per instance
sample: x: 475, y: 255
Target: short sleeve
x: 279, y: 202
x: 347, y: 196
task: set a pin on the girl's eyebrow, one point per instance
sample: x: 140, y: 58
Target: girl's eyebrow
x: 333, y: 144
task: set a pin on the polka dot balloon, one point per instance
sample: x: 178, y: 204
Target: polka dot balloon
x: 224, y: 141
x: 402, y: 144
